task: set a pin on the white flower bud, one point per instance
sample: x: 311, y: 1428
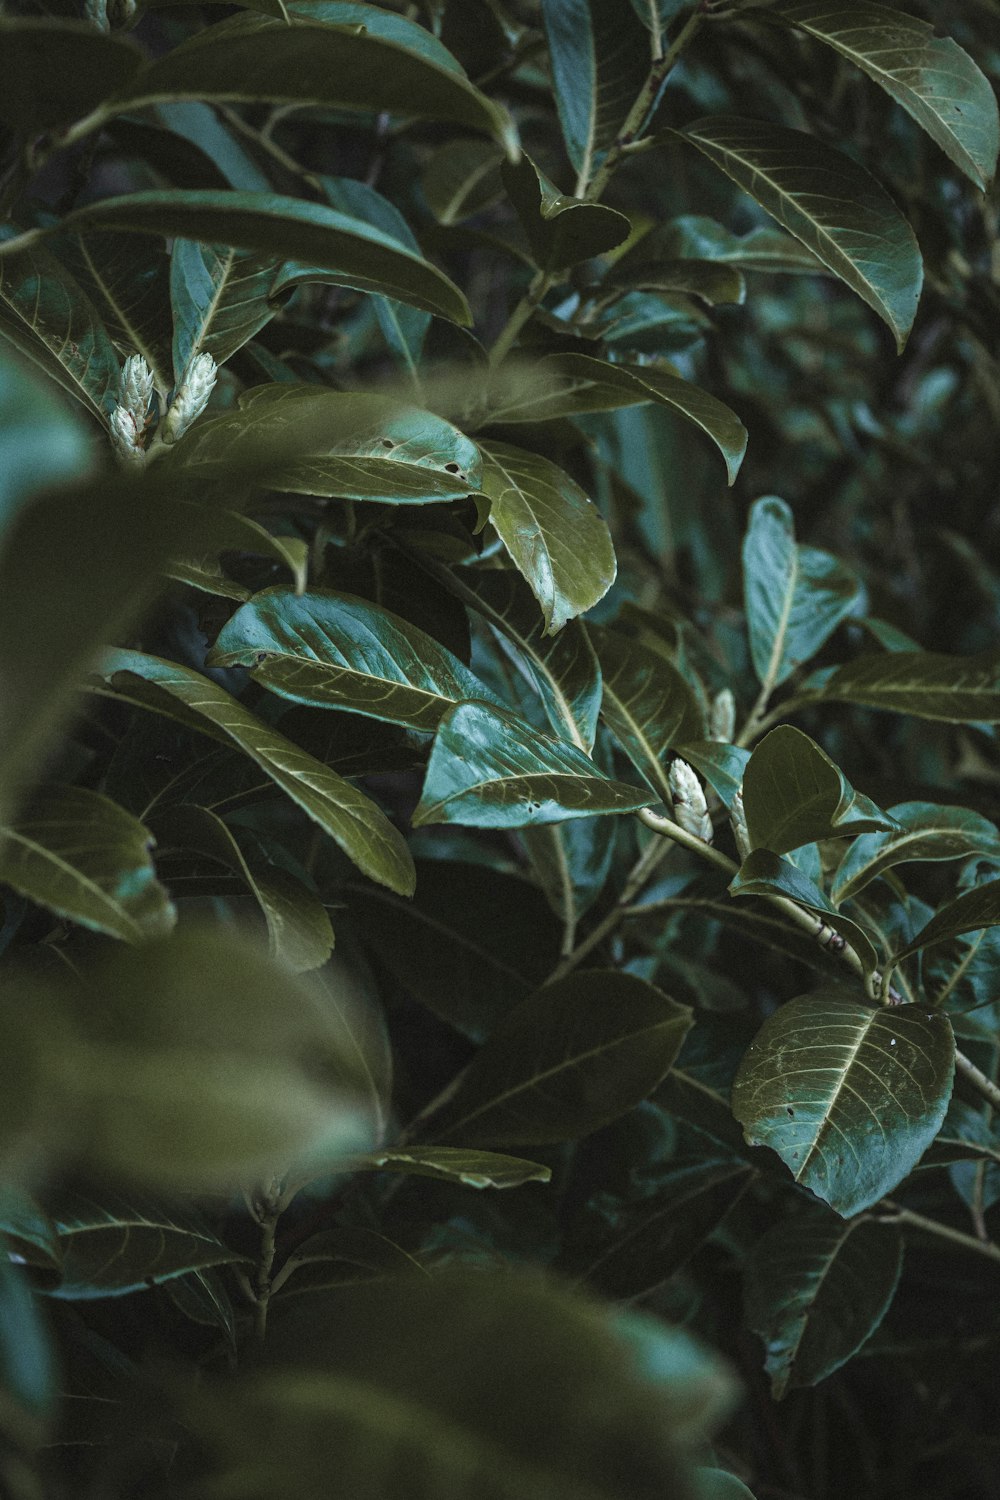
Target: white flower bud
x: 722, y: 717
x: 135, y: 389
x: 126, y: 436
x: 190, y: 397
x: 690, y: 807
x: 738, y: 823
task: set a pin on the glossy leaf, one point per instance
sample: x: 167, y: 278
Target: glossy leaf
x: 127, y: 280
x: 953, y: 689
x: 765, y: 874
x: 345, y: 444
x: 599, y: 53
x: 926, y: 832
x: 54, y: 71
x: 828, y: 202
x: 333, y: 650
x: 556, y: 537
x: 795, y: 596
x: 561, y: 231
x: 848, y: 1096
x: 84, y: 857
x: 647, y: 705
x: 721, y: 765
x: 293, y: 61
x: 351, y: 819
x: 489, y: 769
x: 973, y: 909
x: 571, y: 1058
x: 794, y: 794
x: 815, y: 1291
x: 476, y: 1169
x: 285, y: 228
x: 219, y: 298
x: 931, y: 77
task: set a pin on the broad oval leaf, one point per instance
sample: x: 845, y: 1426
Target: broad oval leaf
x: 816, y: 1289
x: 219, y: 298
x: 333, y: 650
x: 569, y: 1059
x: 349, y: 445
x: 476, y: 1169
x: 556, y: 537
x: 489, y: 769
x: 828, y: 202
x: 795, y: 596
x: 953, y: 689
x: 933, y: 78
x: 974, y: 909
x: 765, y: 874
x: 561, y: 231
x: 926, y: 831
x: 350, y: 818
x: 794, y: 794
x: 53, y: 71
x: 82, y: 856
x: 848, y: 1096
x: 647, y: 705
x: 288, y: 229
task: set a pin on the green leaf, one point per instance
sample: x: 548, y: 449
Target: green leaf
x: 795, y: 596
x: 358, y: 254
x: 122, y: 1245
x: 931, y: 77
x: 794, y: 794
x: 219, y: 298
x: 816, y: 1289
x: 599, y: 53
x: 719, y: 1484
x: 299, y: 934
x: 127, y: 280
x: 765, y: 874
x: 561, y: 231
x: 489, y: 769
x: 351, y: 819
x: 574, y: 383
x: 343, y: 1257
x: 42, y: 441
x: 556, y: 537
x: 477, y: 1169
x: 461, y: 178
x: 926, y: 831
x: 249, y: 59
x: 828, y: 202
x: 953, y: 689
x: 849, y: 1097
x: 28, y: 1230
x: 647, y: 705
x: 28, y: 1379
x: 718, y: 285
x: 693, y: 236
x: 974, y: 909
x: 571, y: 1058
x: 53, y: 71
x: 346, y: 444
x: 333, y: 650
x: 84, y: 857
x: 721, y: 765
x: 49, y: 318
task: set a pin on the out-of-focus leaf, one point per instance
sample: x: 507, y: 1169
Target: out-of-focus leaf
x: 28, y: 1380
x: 42, y: 441
x: 815, y: 1291
x: 54, y: 71
x: 954, y: 689
x: 695, y: 237
x: 647, y: 704
x: 461, y: 178
x: 975, y: 908
x: 561, y: 231
x: 794, y: 794
x: 477, y: 1169
x: 849, y: 1097
x: 927, y: 832
x: 765, y: 874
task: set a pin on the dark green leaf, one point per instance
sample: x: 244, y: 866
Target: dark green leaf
x: 795, y: 596
x: 461, y: 178
x: 719, y: 1484
x: 794, y: 794
x: 54, y: 71
x: 926, y: 831
x: 42, y: 440
x: 718, y: 285
x: 954, y: 689
x: 375, y: 21
x: 828, y: 202
x: 693, y: 236
x: 599, y: 53
x: 219, y: 298
x: 721, y: 765
x: 931, y: 77
x: 848, y: 1096
x: 343, y: 1257
x: 85, y: 858
x: 336, y: 651
x: 647, y: 705
x: 28, y: 1230
x: 28, y: 1379
x: 561, y: 231
x: 489, y: 769
x: 127, y: 280
x: 477, y: 1169
x: 571, y: 1058
x: 816, y: 1289
x: 765, y: 874
x: 976, y: 908
x: 350, y: 818
x: 556, y: 537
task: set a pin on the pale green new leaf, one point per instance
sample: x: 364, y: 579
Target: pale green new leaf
x: 953, y: 689
x: 477, y: 1169
x: 849, y: 1096
x: 647, y: 705
x: 351, y: 819
x: 926, y: 832
x: 828, y: 202
x: 794, y: 794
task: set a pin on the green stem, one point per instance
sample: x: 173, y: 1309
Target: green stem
x: 906, y: 1216
x: 977, y: 1079
x: 522, y: 312
x: 644, y: 866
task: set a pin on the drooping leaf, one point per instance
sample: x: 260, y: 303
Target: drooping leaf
x: 53, y: 71
x: 849, y: 1097
x: 933, y: 78
x: 571, y: 1058
x: 349, y: 445
x: 561, y: 231
x: 84, y: 857
x: 794, y: 794
x: 375, y: 21
x: 765, y: 874
x: 489, y: 769
x: 333, y: 650
x: 795, y: 596
x: 828, y: 202
x: 953, y: 689
x: 973, y: 909
x: 815, y: 1291
x: 351, y: 819
x: 477, y: 1169
x: 557, y: 538
x: 926, y: 831
x: 647, y: 704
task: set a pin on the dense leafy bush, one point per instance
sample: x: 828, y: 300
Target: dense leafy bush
x: 403, y: 557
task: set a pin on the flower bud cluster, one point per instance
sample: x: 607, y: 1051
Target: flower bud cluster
x: 131, y: 417
x: 190, y: 397
x: 738, y: 823
x: 690, y: 806
x: 722, y: 717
